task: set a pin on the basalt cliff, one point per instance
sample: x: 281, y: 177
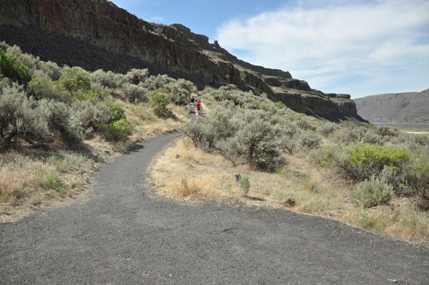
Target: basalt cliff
x: 97, y: 34
x: 396, y: 108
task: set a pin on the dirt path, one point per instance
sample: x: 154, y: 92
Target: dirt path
x: 122, y: 233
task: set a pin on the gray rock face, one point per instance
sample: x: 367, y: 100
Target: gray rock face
x: 97, y: 34
x: 399, y: 108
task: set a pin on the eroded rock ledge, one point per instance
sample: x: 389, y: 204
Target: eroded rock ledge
x: 97, y: 34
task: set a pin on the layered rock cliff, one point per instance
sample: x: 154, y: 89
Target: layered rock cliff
x: 97, y: 34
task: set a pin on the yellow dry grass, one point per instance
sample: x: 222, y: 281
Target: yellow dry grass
x: 29, y: 181
x: 186, y: 172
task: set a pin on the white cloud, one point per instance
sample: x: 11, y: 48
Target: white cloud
x: 341, y: 45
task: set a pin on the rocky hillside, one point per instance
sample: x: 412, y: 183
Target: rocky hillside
x: 97, y: 34
x: 399, y: 108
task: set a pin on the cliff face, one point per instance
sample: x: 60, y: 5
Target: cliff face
x: 97, y: 34
x: 399, y: 108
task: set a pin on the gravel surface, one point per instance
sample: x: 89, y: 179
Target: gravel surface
x: 121, y: 232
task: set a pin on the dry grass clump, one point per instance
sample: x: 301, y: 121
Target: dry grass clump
x: 29, y: 180
x: 186, y: 172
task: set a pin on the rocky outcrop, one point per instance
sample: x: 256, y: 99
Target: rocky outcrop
x: 97, y: 34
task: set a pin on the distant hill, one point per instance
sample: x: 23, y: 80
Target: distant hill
x: 397, y: 108
x: 98, y: 34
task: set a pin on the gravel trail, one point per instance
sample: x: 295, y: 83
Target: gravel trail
x: 121, y: 232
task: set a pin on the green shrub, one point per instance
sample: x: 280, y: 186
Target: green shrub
x: 371, y: 159
x: 44, y: 88
x: 25, y: 59
x: 75, y: 80
x: 373, y: 192
x: 117, y: 131
x: 52, y: 181
x: 116, y: 110
x: 15, y: 71
x: 159, y: 102
x: 361, y: 161
x: 245, y: 185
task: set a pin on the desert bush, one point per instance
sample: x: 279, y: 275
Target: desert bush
x: 309, y: 140
x: 290, y: 134
x: 350, y: 136
x: 371, y: 159
x: 18, y: 118
x: 418, y: 174
x: 25, y: 59
x: 305, y: 125
x: 4, y: 82
x: 159, y: 103
x: 196, y: 131
x: 373, y: 192
x: 108, y: 79
x: 99, y: 90
x: 420, y: 140
x: 117, y: 130
x: 220, y: 125
x: 385, y: 131
x: 179, y: 91
x: 256, y: 140
x: 135, y: 93
x: 62, y: 121
x: 230, y: 149
x: 371, y: 137
x: 327, y: 128
x: 74, y: 79
x: 50, y: 69
x: 361, y: 161
x: 92, y: 115
x: 135, y: 76
x: 116, y: 110
x: 45, y: 88
x: 9, y: 67
x: 288, y: 144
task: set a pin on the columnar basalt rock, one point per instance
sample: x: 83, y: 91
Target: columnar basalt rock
x: 98, y: 34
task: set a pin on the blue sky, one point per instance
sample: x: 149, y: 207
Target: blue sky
x: 358, y: 47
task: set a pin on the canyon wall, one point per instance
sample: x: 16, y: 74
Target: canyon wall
x: 97, y: 34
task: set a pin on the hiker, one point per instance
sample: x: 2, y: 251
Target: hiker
x: 197, y: 108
